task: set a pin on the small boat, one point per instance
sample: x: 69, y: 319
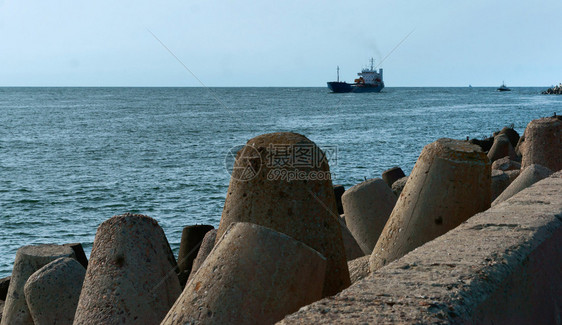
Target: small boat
x: 503, y: 87
x: 369, y: 81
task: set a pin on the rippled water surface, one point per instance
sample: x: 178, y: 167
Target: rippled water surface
x: 72, y: 157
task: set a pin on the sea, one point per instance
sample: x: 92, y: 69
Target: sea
x: 70, y: 158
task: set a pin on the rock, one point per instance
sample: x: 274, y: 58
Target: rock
x: 79, y: 252
x: 391, y: 175
x: 501, y: 148
x: 131, y: 275
x: 352, y: 249
x: 28, y: 260
x: 52, y: 292
x: 282, y: 181
x: 543, y: 143
x: 512, y: 135
x: 500, y: 181
x: 204, y: 251
x: 367, y: 207
x: 358, y: 268
x: 505, y: 164
x: 4, y: 284
x: 449, y: 183
x: 484, y: 144
x: 513, y: 174
x: 191, y: 238
x: 254, y: 275
x: 398, y: 186
x: 338, y: 192
x: 528, y: 177
x: 1, y: 309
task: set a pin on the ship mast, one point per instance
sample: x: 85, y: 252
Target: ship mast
x: 372, y: 63
x: 338, y: 73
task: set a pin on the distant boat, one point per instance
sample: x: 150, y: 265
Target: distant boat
x: 369, y: 81
x: 503, y: 87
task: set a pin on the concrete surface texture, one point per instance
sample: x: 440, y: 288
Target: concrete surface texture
x: 131, y: 274
x: 543, y: 143
x: 502, y: 266
x: 502, y: 147
x: 505, y: 164
x: 28, y: 260
x: 367, y: 207
x: 206, y: 246
x: 398, y: 186
x: 450, y: 183
x: 274, y: 186
x: 352, y: 249
x: 358, y: 268
x: 52, y: 292
x: 391, y: 175
x: 500, y: 181
x: 191, y: 238
x: 528, y: 177
x: 254, y: 275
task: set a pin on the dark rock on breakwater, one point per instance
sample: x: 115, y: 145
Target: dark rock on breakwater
x: 556, y: 90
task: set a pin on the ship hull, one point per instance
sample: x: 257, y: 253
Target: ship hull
x: 344, y: 87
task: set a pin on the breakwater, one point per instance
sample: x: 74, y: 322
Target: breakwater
x: 282, y: 245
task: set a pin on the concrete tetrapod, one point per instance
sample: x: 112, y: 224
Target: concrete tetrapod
x: 131, y: 274
x: 282, y: 181
x: 352, y: 248
x: 254, y: 275
x: 204, y: 251
x: 367, y: 207
x: 52, y: 292
x: 449, y: 183
x: 528, y: 177
x: 543, y: 143
x: 28, y: 260
x: 501, y: 148
x: 191, y: 238
x: 392, y: 175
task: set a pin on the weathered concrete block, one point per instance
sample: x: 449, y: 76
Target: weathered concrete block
x: 513, y: 174
x: 543, y: 143
x: 449, y: 183
x: 359, y: 268
x: 398, y: 186
x: 131, y: 275
x: 282, y: 181
x: 191, y: 239
x: 254, y: 275
x: 505, y: 164
x: 391, y: 175
x: 4, y: 284
x: 28, y: 260
x: 501, y: 266
x: 511, y: 134
x: 79, y: 252
x: 52, y: 292
x: 206, y: 247
x: 352, y: 248
x: 338, y: 192
x: 501, y: 148
x: 500, y: 181
x: 528, y: 177
x: 367, y: 207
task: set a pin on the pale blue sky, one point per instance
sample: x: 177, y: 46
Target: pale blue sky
x: 279, y: 43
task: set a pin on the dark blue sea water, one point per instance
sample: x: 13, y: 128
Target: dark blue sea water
x: 70, y: 158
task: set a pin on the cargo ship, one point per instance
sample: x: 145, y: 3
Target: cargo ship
x: 369, y: 81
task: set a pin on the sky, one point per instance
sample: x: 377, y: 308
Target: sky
x: 287, y: 43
